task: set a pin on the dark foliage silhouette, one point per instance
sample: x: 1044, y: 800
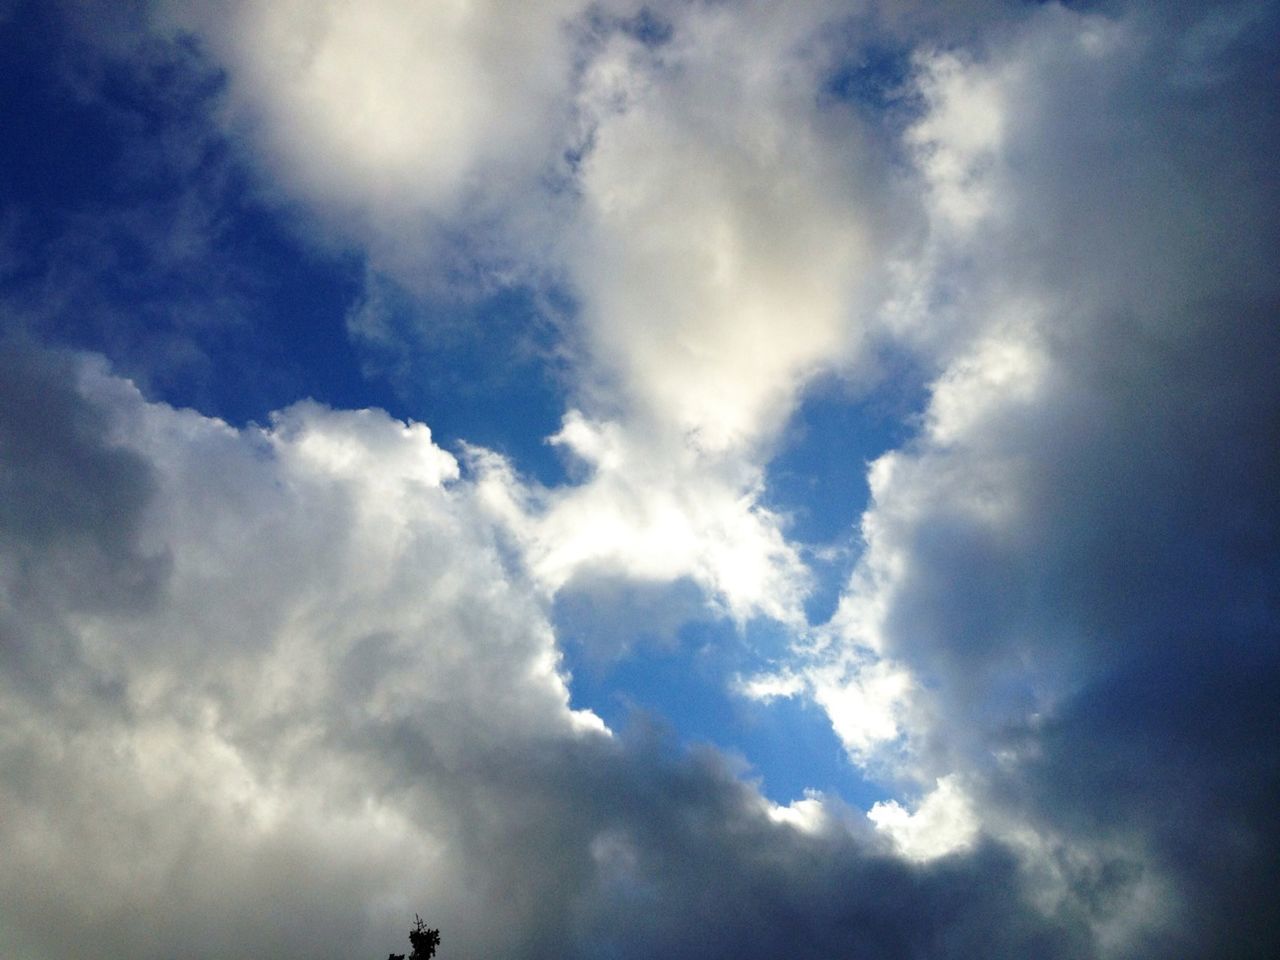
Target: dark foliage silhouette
x: 423, y: 939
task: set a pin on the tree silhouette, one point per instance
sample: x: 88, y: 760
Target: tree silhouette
x: 423, y: 939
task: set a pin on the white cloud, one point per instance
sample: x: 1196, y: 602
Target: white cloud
x: 767, y: 687
x: 866, y: 701
x: 808, y: 815
x: 394, y: 110
x: 655, y: 512
x: 334, y: 704
x: 331, y: 606
x: 942, y: 822
x: 715, y: 228
x: 958, y: 139
x: 721, y: 250
x: 725, y: 225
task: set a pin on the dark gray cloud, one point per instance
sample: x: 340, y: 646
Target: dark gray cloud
x: 1172, y: 759
x: 1076, y: 557
x: 66, y: 484
x: 676, y: 857
x: 1134, y: 485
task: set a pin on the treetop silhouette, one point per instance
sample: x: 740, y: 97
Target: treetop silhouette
x: 423, y: 939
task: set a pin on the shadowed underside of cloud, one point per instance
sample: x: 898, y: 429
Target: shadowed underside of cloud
x: 268, y: 690
x: 1148, y: 762
x: 1068, y: 560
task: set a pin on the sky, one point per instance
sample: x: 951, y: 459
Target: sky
x: 694, y: 479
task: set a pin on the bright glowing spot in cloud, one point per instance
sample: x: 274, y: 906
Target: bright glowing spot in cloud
x: 942, y: 822
x: 392, y: 108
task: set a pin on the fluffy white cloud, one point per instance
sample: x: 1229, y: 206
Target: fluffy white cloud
x: 313, y: 699
x: 392, y: 112
x: 291, y: 607
x: 721, y: 251
x: 726, y: 222
x: 942, y: 822
x: 714, y: 225
x: 653, y: 512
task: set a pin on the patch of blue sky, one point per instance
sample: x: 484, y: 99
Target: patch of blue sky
x: 818, y: 478
x: 55, y: 151
x: 482, y: 369
x: 131, y: 230
x: 684, y: 680
x: 648, y: 28
x: 873, y: 76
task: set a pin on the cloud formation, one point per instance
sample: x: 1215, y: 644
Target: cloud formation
x: 389, y: 113
x: 271, y: 687
x: 1076, y: 527
x: 332, y: 701
x: 285, y: 604
x: 668, y: 166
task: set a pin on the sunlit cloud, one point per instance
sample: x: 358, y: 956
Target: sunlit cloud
x: 395, y: 404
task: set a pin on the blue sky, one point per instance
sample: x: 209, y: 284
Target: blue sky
x: 615, y: 478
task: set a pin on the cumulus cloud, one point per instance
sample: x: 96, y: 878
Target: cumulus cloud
x: 292, y: 601
x: 725, y: 222
x: 942, y: 822
x: 272, y: 688
x: 673, y: 170
x: 400, y: 118
x: 654, y: 512
x: 333, y: 702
